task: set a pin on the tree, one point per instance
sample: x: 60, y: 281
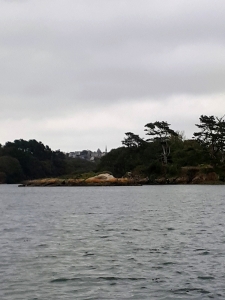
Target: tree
x: 132, y: 140
x: 221, y: 138
x: 10, y: 169
x: 36, y: 159
x: 160, y: 131
x: 212, y: 136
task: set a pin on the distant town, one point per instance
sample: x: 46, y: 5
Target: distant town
x: 88, y: 154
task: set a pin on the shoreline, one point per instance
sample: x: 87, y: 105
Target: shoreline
x: 50, y: 182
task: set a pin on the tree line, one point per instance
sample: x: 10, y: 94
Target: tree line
x: 21, y: 160
x: 163, y: 152
x: 166, y: 151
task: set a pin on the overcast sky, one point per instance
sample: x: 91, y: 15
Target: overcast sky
x: 78, y: 74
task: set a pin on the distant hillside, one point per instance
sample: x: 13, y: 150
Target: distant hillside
x: 21, y: 160
x: 164, y: 156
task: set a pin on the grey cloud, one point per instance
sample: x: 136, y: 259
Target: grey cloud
x: 58, y: 56
x: 61, y: 54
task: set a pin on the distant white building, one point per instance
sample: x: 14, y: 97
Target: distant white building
x: 87, y: 154
x: 74, y: 154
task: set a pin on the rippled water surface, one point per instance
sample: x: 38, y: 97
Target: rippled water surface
x: 149, y: 242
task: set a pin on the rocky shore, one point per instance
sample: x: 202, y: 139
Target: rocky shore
x: 188, y: 175
x: 192, y: 175
x: 99, y: 180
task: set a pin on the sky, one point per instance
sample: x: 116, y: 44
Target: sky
x: 78, y: 74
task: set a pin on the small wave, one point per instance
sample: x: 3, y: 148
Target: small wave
x: 107, y: 278
x: 154, y: 250
x: 10, y: 229
x: 50, y: 256
x: 170, y: 228
x: 63, y: 279
x: 121, y: 278
x: 200, y: 249
x: 43, y: 245
x: 188, y: 290
x: 204, y: 253
x: 206, y: 277
x: 88, y: 254
x: 139, y: 249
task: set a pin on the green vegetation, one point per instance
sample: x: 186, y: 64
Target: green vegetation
x: 165, y: 155
x: 22, y: 160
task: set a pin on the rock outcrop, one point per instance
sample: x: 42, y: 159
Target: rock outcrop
x: 188, y: 175
x: 192, y: 175
x: 98, y: 180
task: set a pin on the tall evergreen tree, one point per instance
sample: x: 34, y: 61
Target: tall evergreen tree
x: 132, y: 140
x: 160, y: 131
x: 212, y: 136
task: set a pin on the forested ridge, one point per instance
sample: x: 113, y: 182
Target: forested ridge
x: 22, y: 160
x: 167, y: 154
x: 163, y: 153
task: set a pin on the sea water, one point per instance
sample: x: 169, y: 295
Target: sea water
x: 143, y: 242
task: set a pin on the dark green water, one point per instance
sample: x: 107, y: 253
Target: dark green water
x: 149, y: 242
